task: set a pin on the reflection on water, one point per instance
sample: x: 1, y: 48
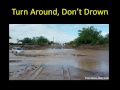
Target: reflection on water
x: 94, y: 66
x: 62, y: 62
x: 96, y: 60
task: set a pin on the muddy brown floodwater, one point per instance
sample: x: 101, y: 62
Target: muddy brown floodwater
x: 59, y: 64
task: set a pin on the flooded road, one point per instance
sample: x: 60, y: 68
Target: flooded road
x: 59, y: 63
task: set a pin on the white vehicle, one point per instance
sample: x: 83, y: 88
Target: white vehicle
x: 17, y: 50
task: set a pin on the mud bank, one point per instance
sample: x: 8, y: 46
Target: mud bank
x: 31, y: 47
x: 31, y: 55
x: 88, y: 46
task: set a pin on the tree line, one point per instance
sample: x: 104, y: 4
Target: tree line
x: 35, y: 40
x: 91, y: 36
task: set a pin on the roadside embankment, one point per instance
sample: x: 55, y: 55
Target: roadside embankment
x: 88, y: 46
x: 31, y: 47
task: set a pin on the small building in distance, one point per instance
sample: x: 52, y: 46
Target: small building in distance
x: 14, y: 41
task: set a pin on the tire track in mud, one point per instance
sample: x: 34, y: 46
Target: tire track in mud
x: 47, y: 73
x: 17, y: 75
x: 28, y: 73
x: 66, y: 73
x: 37, y: 72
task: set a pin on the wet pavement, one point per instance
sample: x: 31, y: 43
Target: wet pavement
x: 59, y: 63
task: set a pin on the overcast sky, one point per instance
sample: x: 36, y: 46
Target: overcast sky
x: 61, y: 32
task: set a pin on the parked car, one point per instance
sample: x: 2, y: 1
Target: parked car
x: 17, y: 50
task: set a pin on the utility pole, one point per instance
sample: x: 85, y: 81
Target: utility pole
x: 53, y: 40
x: 17, y: 40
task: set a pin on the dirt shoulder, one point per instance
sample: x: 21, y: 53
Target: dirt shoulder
x: 31, y: 47
x: 87, y: 46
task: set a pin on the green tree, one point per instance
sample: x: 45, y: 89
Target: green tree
x: 107, y: 38
x: 26, y: 40
x: 88, y: 35
x: 42, y: 40
x: 50, y: 42
x: 91, y: 36
x: 34, y: 40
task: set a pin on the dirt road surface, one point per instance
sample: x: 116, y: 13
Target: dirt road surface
x: 59, y: 63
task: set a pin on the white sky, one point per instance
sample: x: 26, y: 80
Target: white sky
x: 61, y: 32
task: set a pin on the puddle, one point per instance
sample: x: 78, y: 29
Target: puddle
x: 90, y: 60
